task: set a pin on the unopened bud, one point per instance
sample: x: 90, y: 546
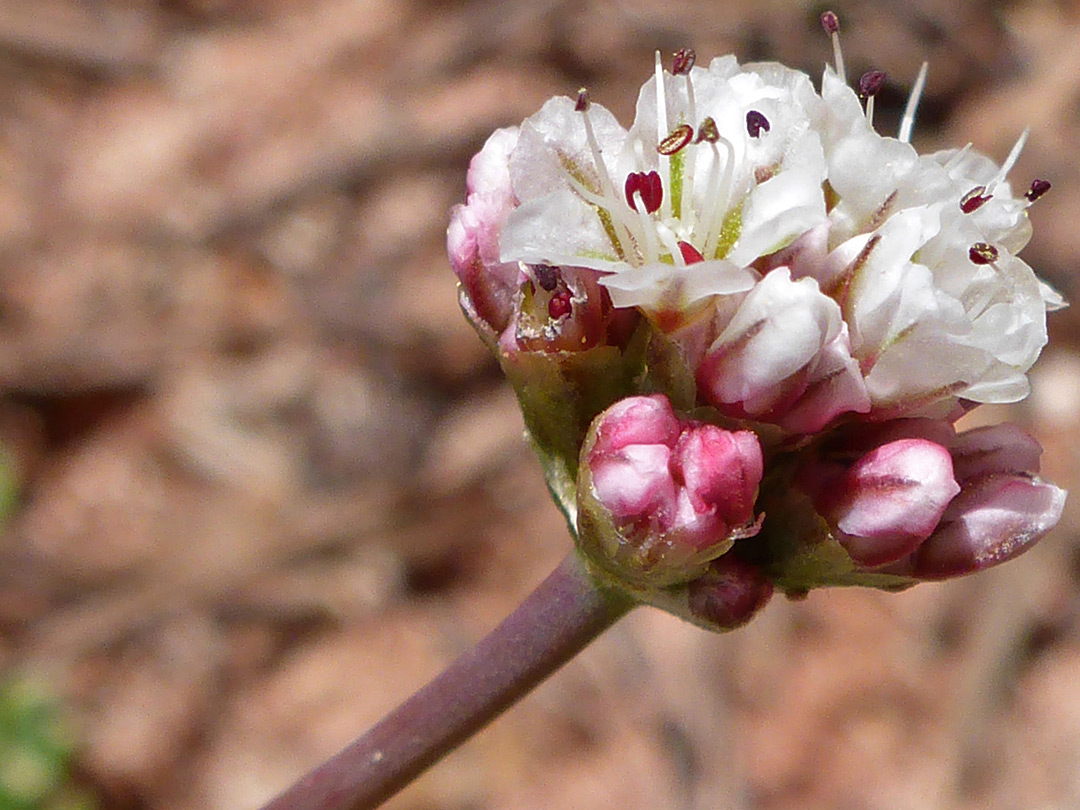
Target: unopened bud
x: 659, y: 497
x: 1003, y: 510
x: 888, y: 501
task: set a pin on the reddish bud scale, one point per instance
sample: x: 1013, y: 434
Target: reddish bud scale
x: 830, y: 22
x: 729, y: 593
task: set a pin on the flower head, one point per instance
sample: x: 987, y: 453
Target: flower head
x: 771, y: 315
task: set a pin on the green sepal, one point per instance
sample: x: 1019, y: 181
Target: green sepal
x: 561, y: 392
x: 797, y: 549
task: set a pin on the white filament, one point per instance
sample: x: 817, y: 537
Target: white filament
x: 907, y: 122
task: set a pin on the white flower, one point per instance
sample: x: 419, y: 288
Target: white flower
x: 722, y: 166
x: 733, y: 186
x: 921, y: 256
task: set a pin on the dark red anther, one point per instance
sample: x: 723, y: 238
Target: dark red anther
x: 690, y: 254
x: 982, y: 253
x: 707, y: 131
x: 559, y: 305
x: 682, y: 61
x: 582, y: 100
x: 974, y: 199
x: 871, y: 82
x: 756, y: 123
x: 830, y: 22
x: 679, y: 137
x: 648, y: 186
x: 546, y: 276
x: 1038, y: 188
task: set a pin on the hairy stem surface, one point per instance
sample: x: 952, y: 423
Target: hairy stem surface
x: 555, y: 622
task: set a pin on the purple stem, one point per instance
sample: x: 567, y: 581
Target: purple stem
x: 554, y: 623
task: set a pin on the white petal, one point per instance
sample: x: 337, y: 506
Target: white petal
x: 776, y: 212
x: 559, y: 228
x: 660, y: 285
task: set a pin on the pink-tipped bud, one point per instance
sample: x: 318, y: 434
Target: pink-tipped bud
x: 1003, y: 510
x: 659, y: 496
x: 991, y: 522
x: 888, y: 501
x: 912, y: 498
x: 472, y: 238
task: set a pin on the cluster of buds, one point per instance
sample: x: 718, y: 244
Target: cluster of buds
x: 741, y: 333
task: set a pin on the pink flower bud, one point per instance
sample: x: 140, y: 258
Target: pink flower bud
x: 890, y: 500
x: 991, y: 522
x: 1003, y: 510
x: 912, y: 498
x: 659, y: 496
x: 472, y: 238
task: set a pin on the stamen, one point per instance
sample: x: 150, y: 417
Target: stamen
x: 607, y: 188
x: 690, y: 253
x: 661, y: 128
x: 870, y: 84
x: 907, y: 121
x: 683, y: 60
x: 676, y: 140
x: 686, y: 208
x: 652, y: 249
x: 1010, y: 161
x: 719, y: 190
x: 559, y: 305
x: 756, y: 123
x: 1038, y: 188
x: 954, y: 161
x: 831, y: 23
x: 707, y: 131
x: 546, y: 276
x: 670, y: 242
x: 982, y: 253
x: 974, y: 199
x: 644, y: 187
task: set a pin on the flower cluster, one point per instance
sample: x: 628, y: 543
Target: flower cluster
x: 755, y: 255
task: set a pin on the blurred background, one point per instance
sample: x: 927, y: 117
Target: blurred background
x: 259, y: 479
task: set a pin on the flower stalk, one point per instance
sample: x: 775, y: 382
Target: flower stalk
x: 554, y: 623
